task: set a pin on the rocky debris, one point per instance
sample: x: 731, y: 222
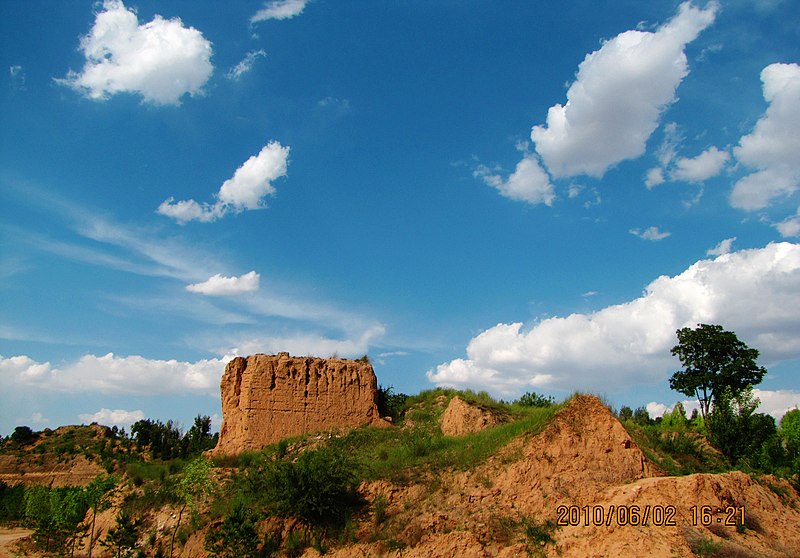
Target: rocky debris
x: 461, y: 418
x: 266, y: 398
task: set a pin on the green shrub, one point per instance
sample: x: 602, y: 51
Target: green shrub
x: 705, y: 547
x: 12, y: 502
x: 533, y: 399
x: 379, y: 508
x: 320, y: 488
x: 538, y: 536
x: 296, y: 543
x: 236, y: 537
x: 391, y: 404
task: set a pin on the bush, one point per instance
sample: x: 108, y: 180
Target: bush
x: 236, y: 537
x: 23, y: 435
x: 532, y: 399
x: 320, y: 488
x: 390, y: 404
x: 12, y: 502
x: 736, y: 429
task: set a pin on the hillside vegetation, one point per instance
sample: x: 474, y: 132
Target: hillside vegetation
x: 408, y: 490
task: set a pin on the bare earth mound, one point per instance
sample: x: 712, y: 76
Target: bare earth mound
x: 461, y: 418
x: 586, y: 462
x: 267, y: 398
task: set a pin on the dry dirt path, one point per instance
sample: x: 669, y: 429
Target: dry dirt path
x: 8, y: 536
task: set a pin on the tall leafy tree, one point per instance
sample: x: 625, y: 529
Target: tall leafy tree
x: 196, y: 484
x: 98, y: 497
x: 713, y: 359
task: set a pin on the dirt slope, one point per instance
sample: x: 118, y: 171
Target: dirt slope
x: 583, y: 458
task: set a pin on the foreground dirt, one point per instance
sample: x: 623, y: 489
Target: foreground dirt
x: 8, y: 537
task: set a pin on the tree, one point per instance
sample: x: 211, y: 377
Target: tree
x: 68, y: 507
x: 790, y: 432
x: 675, y: 419
x: 713, y: 359
x: 736, y: 429
x: 194, y: 485
x: 98, y: 497
x: 38, y: 514
x: 642, y: 416
x: 390, y: 404
x: 23, y: 435
x: 122, y: 538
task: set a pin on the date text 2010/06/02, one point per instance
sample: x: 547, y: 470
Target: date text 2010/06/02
x: 658, y: 516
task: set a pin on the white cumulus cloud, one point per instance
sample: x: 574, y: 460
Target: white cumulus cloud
x: 528, y: 183
x: 218, y: 285
x: 772, y: 147
x: 754, y: 293
x: 246, y: 189
x: 618, y: 96
x: 699, y: 169
x: 279, y: 9
x: 117, y: 417
x: 161, y: 60
x: 650, y: 233
x: 132, y: 375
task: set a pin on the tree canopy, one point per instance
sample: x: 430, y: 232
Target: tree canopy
x: 713, y: 359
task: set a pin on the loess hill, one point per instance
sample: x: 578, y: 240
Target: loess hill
x: 458, y: 474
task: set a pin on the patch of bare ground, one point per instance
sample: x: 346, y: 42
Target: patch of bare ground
x: 8, y: 540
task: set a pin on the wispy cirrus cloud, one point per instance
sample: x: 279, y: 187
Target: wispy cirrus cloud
x: 245, y: 65
x: 279, y: 9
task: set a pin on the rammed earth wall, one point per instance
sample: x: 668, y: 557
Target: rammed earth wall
x: 266, y: 398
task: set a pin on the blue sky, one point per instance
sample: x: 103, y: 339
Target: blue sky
x: 498, y: 196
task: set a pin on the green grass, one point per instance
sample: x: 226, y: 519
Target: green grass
x: 705, y: 547
x: 403, y: 452
x: 677, y: 452
x: 395, y: 453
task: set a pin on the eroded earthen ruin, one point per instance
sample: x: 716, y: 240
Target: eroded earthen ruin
x: 266, y: 398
